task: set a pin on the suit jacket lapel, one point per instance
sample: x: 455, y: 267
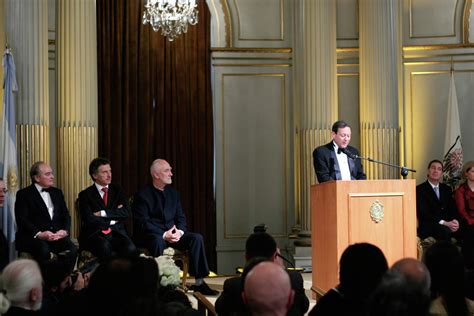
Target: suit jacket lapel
x: 337, y: 170
x: 39, y: 199
x: 352, y: 167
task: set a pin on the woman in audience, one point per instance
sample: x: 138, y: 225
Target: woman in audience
x: 446, y: 266
x: 464, y: 197
x: 361, y: 268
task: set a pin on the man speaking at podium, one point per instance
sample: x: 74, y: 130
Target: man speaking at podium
x: 337, y: 160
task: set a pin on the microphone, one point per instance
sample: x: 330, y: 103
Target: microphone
x: 348, y: 153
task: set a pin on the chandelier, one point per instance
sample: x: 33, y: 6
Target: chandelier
x: 171, y: 16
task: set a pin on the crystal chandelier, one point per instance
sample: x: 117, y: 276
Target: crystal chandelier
x: 171, y: 16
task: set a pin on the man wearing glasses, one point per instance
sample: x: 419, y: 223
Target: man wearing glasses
x: 337, y: 160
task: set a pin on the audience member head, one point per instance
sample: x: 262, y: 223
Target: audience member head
x: 268, y: 290
x: 42, y: 174
x: 119, y: 280
x: 435, y: 171
x: 468, y: 171
x: 446, y: 266
x: 21, y: 285
x: 415, y: 271
x: 398, y: 295
x: 360, y: 269
x: 3, y: 192
x: 260, y: 244
x: 100, y: 171
x: 56, y: 275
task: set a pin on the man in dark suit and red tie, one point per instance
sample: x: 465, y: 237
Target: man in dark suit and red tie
x: 104, y: 209
x: 337, y: 160
x: 42, y: 218
x: 435, y: 206
x: 159, y: 222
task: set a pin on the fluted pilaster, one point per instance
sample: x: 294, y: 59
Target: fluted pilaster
x: 77, y: 96
x: 379, y: 68
x: 27, y: 26
x: 316, y: 90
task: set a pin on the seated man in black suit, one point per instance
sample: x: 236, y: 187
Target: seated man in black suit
x: 104, y: 208
x: 260, y: 244
x: 42, y: 218
x: 159, y: 222
x: 436, y: 212
x: 337, y: 160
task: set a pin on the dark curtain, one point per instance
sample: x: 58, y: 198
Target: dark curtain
x: 155, y: 102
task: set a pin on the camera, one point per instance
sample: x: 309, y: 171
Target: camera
x: 260, y: 228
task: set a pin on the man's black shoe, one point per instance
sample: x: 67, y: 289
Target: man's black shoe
x: 204, y: 289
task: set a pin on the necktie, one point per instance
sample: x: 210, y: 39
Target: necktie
x: 105, y: 197
x: 436, y: 189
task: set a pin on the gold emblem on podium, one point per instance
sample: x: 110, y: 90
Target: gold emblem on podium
x: 376, y: 211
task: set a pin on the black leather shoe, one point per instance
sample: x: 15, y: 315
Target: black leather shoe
x: 204, y: 289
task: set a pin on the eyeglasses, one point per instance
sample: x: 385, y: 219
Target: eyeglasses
x: 5, y: 190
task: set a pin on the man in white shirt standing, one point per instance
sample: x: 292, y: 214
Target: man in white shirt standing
x: 337, y: 160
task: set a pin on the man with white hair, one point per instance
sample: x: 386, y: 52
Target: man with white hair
x: 22, y: 288
x: 267, y: 290
x: 160, y: 222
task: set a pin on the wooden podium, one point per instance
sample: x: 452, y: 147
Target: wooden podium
x: 380, y: 212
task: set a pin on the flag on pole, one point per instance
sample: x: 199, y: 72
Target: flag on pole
x: 453, y: 158
x: 10, y: 166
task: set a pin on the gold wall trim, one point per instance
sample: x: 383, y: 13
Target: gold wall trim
x: 251, y: 65
x: 282, y: 24
x: 228, y: 24
x: 252, y: 49
x: 285, y: 148
x: 435, y: 47
x: 466, y: 21
x: 348, y: 74
x: 435, y: 36
x: 438, y: 62
x: 252, y: 58
x: 347, y: 50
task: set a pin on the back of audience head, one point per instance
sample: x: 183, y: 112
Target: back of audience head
x: 415, y: 271
x: 21, y: 285
x: 260, y: 244
x: 398, y: 295
x: 267, y: 290
x: 361, y: 267
x: 446, y: 265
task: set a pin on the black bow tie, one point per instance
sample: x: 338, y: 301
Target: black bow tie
x: 46, y: 190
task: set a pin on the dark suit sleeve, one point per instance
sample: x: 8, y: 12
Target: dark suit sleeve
x: 230, y: 300
x: 116, y: 212
x: 86, y: 208
x: 180, y: 218
x: 423, y: 212
x: 65, y: 217
x: 321, y: 165
x: 301, y: 302
x: 23, y: 215
x: 360, y: 170
x: 142, y: 215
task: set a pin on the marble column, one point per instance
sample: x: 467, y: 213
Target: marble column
x: 315, y: 96
x: 380, y: 62
x: 77, y: 113
x: 27, y: 34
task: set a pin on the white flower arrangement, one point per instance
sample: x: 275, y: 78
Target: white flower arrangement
x: 168, y: 270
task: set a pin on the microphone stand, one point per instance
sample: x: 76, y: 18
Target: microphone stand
x: 403, y: 170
